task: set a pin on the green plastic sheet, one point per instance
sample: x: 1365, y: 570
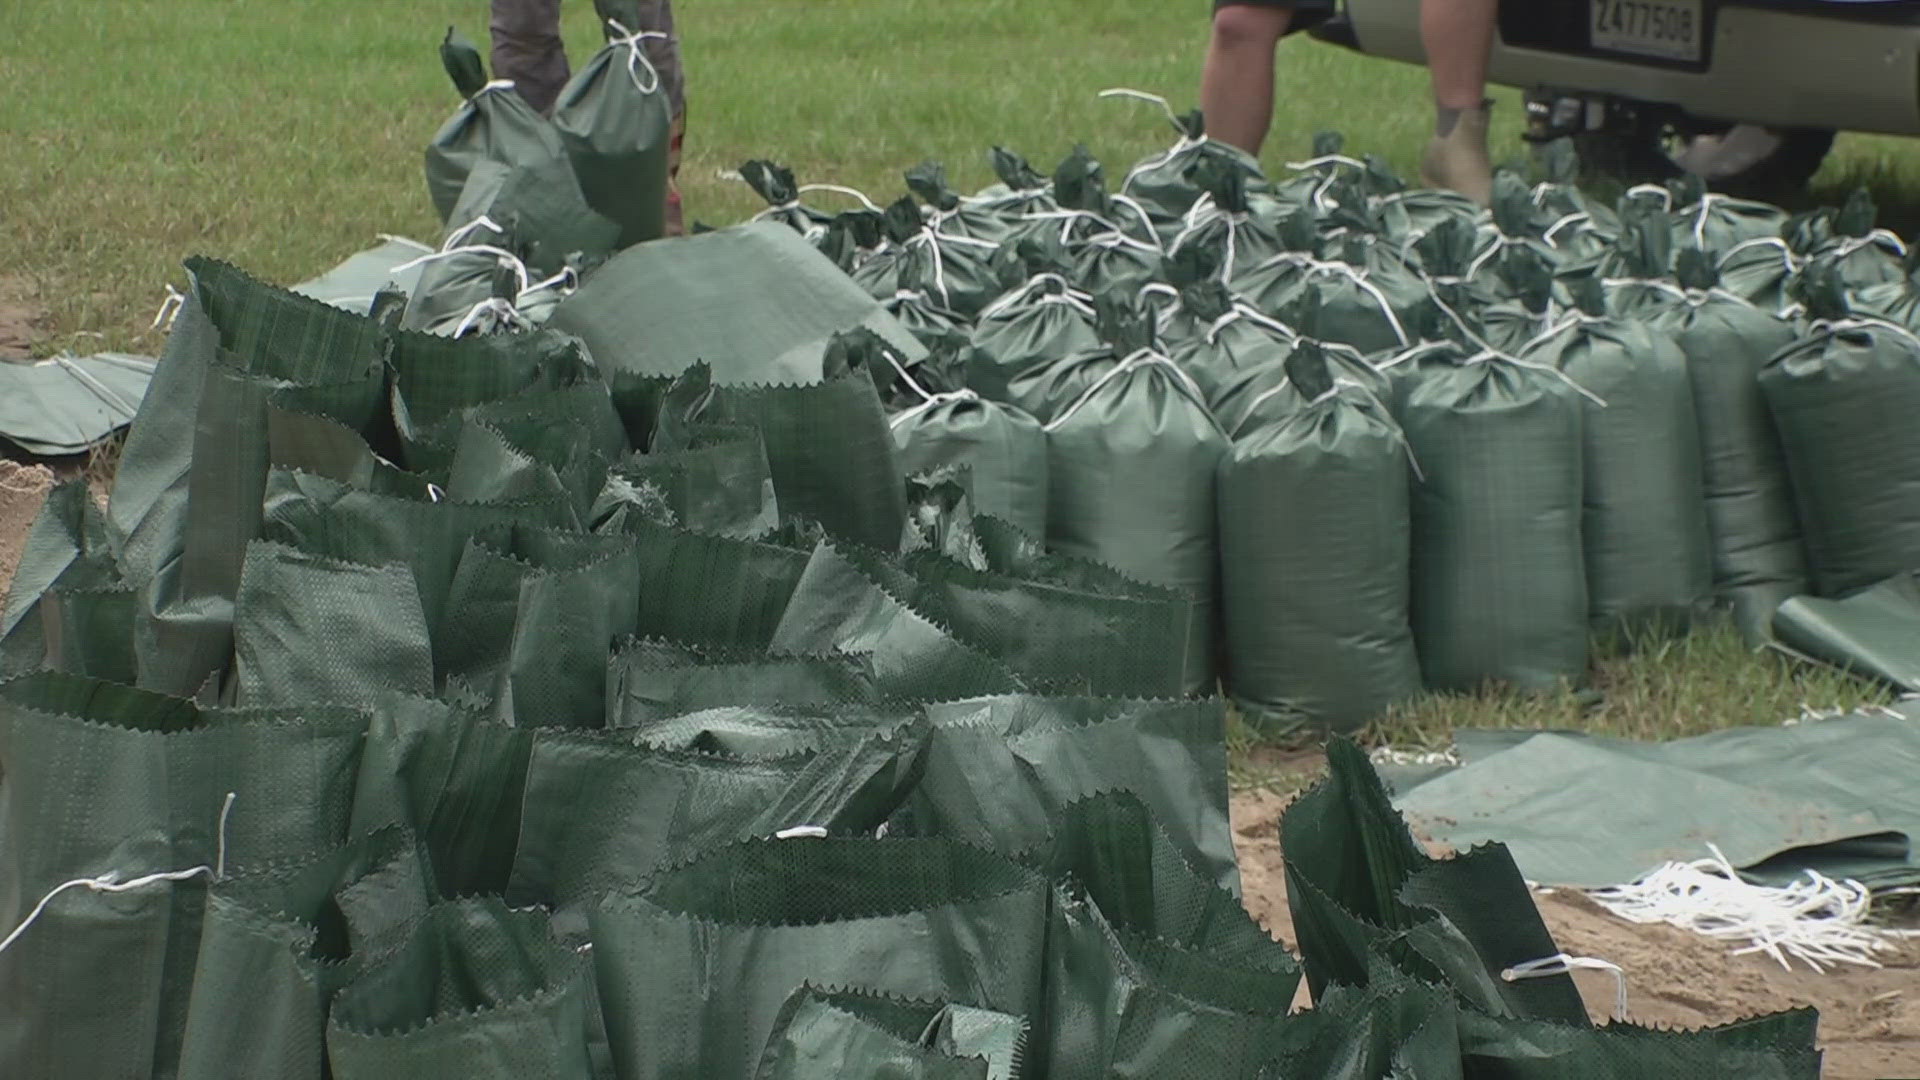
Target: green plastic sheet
x: 1590, y: 811
x: 1875, y: 632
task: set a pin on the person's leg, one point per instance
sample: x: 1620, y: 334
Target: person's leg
x: 527, y: 49
x: 1458, y: 35
x: 666, y: 58
x: 1236, y: 84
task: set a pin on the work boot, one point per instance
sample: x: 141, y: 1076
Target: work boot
x: 1456, y: 158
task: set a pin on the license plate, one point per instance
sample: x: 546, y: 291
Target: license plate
x: 1668, y: 29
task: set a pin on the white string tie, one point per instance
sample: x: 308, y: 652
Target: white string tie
x: 403, y: 241
x: 1067, y: 294
x: 1655, y: 284
x: 505, y: 258
x: 1562, y: 964
x: 1137, y: 359
x: 1186, y: 142
x: 807, y: 189
x: 1323, y: 160
x: 933, y: 401
x: 1785, y: 250
x: 802, y: 832
x: 636, y: 57
x: 1494, y: 354
x: 1357, y: 276
x: 169, y: 309
x: 110, y: 882
x: 1666, y: 197
x: 901, y: 370
x: 1570, y: 219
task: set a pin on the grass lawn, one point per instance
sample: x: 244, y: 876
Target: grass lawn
x: 283, y: 136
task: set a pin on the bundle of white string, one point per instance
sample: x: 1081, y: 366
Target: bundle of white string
x: 1816, y: 920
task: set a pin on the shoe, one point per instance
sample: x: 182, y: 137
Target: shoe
x: 1458, y: 160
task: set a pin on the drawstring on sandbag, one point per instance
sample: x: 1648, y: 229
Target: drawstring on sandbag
x: 1357, y: 276
x: 932, y: 401
x: 1562, y: 964
x: 1068, y: 295
x: 110, y: 882
x: 933, y: 240
x: 1240, y: 312
x: 1135, y: 360
x: 1206, y: 210
x: 635, y: 56
x: 1666, y: 197
x: 1187, y: 142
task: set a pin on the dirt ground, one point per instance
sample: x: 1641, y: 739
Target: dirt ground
x: 20, y: 317
x: 1869, y: 1017
x: 22, y: 489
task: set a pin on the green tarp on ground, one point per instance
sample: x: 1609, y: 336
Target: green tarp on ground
x: 1836, y: 795
x: 1875, y: 632
x: 66, y: 404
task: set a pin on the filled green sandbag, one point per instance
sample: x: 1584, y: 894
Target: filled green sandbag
x: 1875, y: 632
x: 1131, y: 470
x: 950, y: 213
x: 1842, y: 399
x: 277, y: 944
x: 834, y: 1034
x: 744, y: 300
x: 1716, y: 223
x: 1153, y: 969
x: 1757, y: 556
x: 776, y: 184
x: 494, y: 124
x: 1042, y: 321
x: 962, y: 273
x: 1314, y: 550
x: 109, y: 784
x: 615, y: 121
x: 1648, y: 544
x: 753, y: 922
x: 1366, y: 307
x: 474, y: 989
x: 1261, y: 393
x: 1223, y: 221
x: 1499, y: 580
x: 1216, y: 338
x: 1003, y: 447
x: 1164, y: 183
